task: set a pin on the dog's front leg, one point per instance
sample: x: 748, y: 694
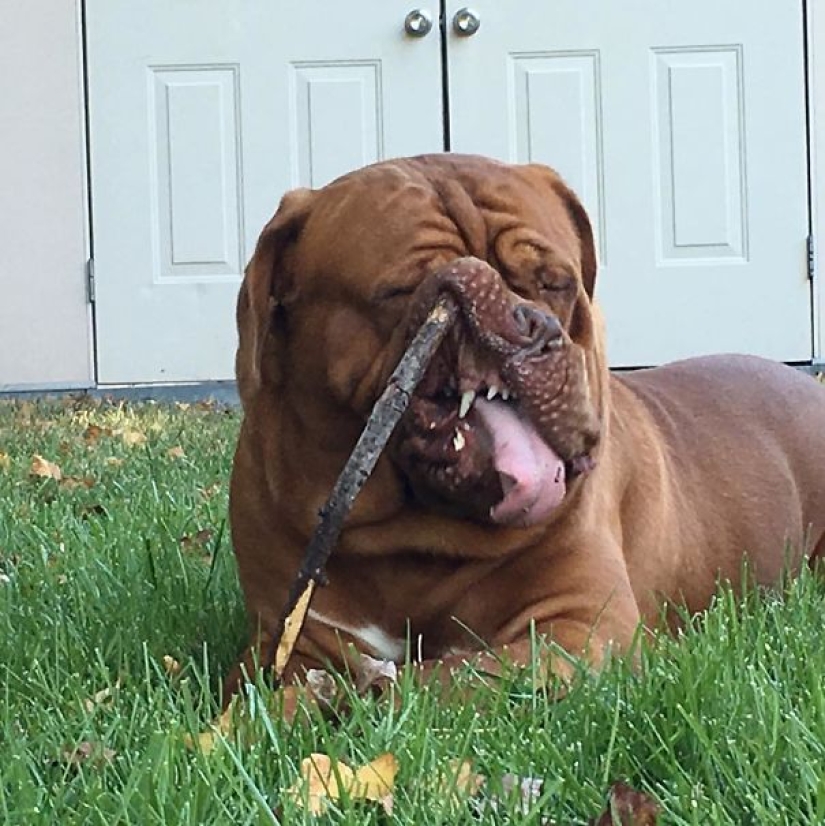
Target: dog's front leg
x: 573, y: 613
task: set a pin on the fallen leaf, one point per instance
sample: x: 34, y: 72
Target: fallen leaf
x: 459, y: 781
x: 323, y: 779
x: 322, y: 686
x: 318, y: 689
x: 196, y: 541
x: 292, y: 628
x: 113, y: 461
x: 104, y: 697
x: 375, y: 674
x: 320, y: 780
x: 289, y: 701
x: 210, y: 491
x: 627, y: 807
x: 45, y: 469
x: 526, y: 790
x: 73, y: 482
x: 93, y: 433
x: 176, y: 452
x: 170, y: 665
x: 88, y: 751
x: 133, y: 438
x: 285, y: 703
x: 222, y: 726
x: 5, y: 461
x: 375, y: 781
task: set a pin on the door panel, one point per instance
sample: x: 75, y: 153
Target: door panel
x: 684, y: 136
x: 202, y: 114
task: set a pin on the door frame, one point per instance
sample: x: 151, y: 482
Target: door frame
x: 815, y: 31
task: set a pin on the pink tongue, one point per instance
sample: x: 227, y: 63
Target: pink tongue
x: 532, y: 473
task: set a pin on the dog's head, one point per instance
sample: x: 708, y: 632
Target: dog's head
x: 510, y: 410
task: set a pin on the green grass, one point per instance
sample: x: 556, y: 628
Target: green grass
x: 726, y: 725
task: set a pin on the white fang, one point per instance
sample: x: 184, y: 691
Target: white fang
x: 467, y: 399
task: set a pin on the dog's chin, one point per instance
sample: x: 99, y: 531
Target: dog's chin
x: 481, y: 459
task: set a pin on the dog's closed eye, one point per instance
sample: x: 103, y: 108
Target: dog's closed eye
x: 555, y: 281
x: 392, y: 291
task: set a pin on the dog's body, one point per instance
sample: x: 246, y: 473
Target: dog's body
x: 578, y: 507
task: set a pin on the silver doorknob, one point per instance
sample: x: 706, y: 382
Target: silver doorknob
x: 466, y: 22
x: 418, y: 23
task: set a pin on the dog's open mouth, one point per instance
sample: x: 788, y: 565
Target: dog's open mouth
x: 502, y: 421
x: 469, y: 442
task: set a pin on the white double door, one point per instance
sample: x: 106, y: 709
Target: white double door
x: 677, y: 124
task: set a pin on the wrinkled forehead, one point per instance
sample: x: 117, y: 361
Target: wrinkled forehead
x: 369, y: 210
x: 365, y: 226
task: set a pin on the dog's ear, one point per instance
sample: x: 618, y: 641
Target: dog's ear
x: 581, y: 324
x: 266, y: 285
x: 589, y: 263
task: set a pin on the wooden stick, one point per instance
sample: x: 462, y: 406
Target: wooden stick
x: 382, y: 421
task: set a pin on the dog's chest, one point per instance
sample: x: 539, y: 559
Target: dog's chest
x: 400, y: 608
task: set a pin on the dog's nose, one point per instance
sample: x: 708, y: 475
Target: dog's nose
x: 541, y: 331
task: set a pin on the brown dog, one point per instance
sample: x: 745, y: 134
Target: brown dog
x: 559, y: 497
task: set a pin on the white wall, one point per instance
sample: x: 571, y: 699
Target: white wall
x: 44, y: 316
x: 816, y: 73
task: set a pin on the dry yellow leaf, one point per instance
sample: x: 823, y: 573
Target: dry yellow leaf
x: 114, y: 461
x: 72, y: 482
x: 222, y: 726
x: 376, y: 780
x: 101, y: 698
x: 319, y: 782
x: 323, y: 779
x: 5, y: 461
x: 292, y: 628
x: 459, y: 780
x: 133, y: 438
x: 226, y: 724
x: 45, y: 469
x: 176, y: 452
x: 170, y: 665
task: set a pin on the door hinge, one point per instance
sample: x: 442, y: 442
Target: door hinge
x: 90, y: 280
x: 811, y: 258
